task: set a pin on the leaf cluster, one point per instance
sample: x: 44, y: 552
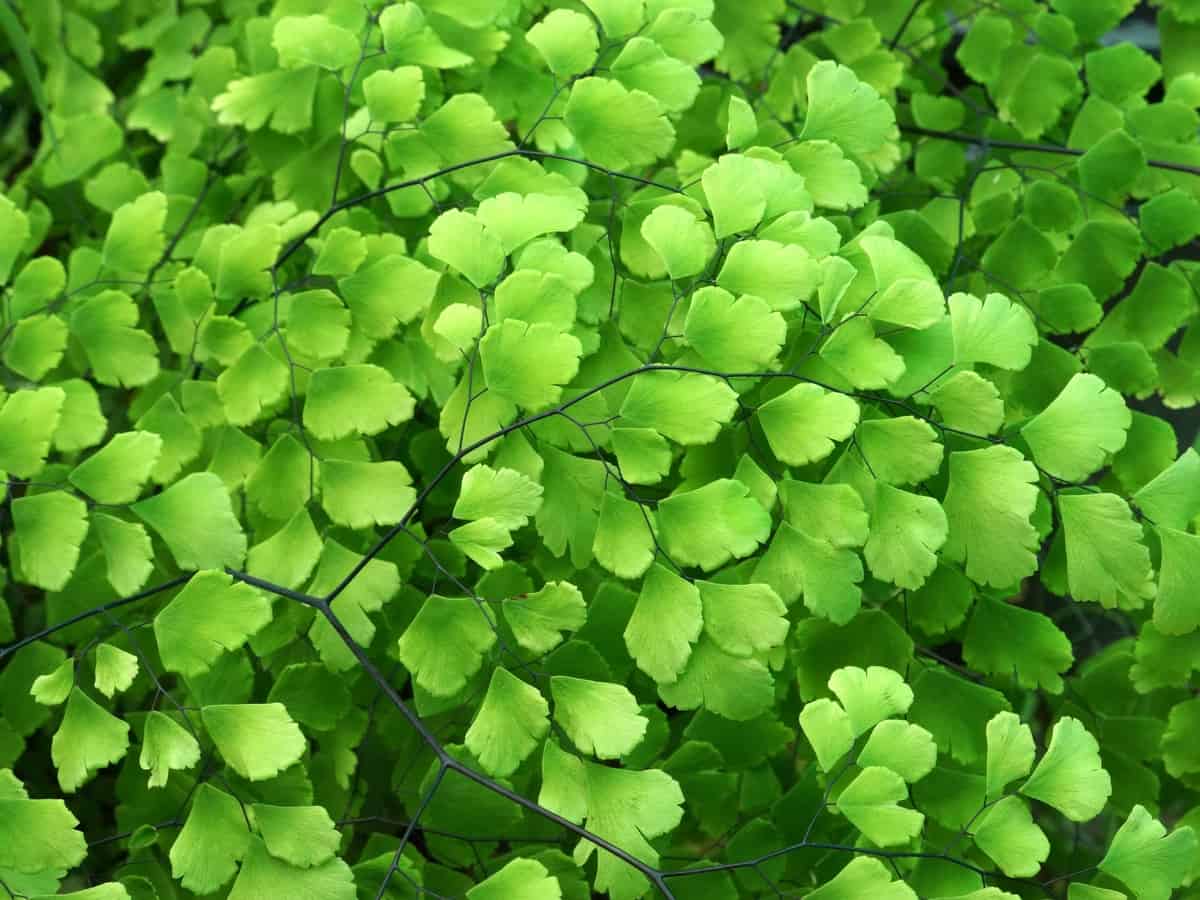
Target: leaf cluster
x: 545, y: 449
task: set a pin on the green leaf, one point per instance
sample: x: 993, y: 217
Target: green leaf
x: 1172, y: 497
x: 785, y: 275
x: 54, y: 687
x: 115, y: 669
x: 406, y: 37
x: 1147, y: 859
x: 743, y: 124
x: 505, y: 495
x: 713, y: 524
x: 1178, y: 743
x: 36, y: 345
x: 36, y: 835
x: 312, y: 698
x: 15, y: 226
x: 525, y: 878
x: 213, y: 840
x: 625, y: 807
x: 318, y: 324
x: 281, y: 484
x: 902, y: 450
x: 614, y: 127
x: 1005, y: 639
x: 994, y: 331
x: 115, y: 473
x: 48, y: 530
x: 343, y: 249
x: 375, y: 583
x: 1070, y: 776
x: 88, y: 739
x: 129, y: 553
x: 27, y: 423
x: 249, y: 388
x: 465, y: 243
x: 1110, y: 167
x: 969, y: 402
x: 302, y: 836
x: 907, y: 530
x: 213, y: 614
x: 282, y: 97
x: 823, y: 647
x: 537, y: 619
x: 363, y: 494
x: 195, y: 518
x: 256, y: 740
x: 618, y: 18
x: 870, y: 695
x: 1073, y: 436
x: 517, y: 219
x: 445, y: 643
x: 863, y: 877
x: 387, y: 293
x: 643, y: 455
x: 822, y: 569
x: 313, y: 41
x: 625, y: 533
x: 84, y: 140
x: 735, y: 195
x: 1010, y: 752
x: 683, y: 242
x: 1107, y: 563
x: 871, y: 803
x: 904, y: 748
x: 736, y: 688
x: 534, y: 296
x: 1175, y: 609
x: 482, y: 541
x: 120, y: 354
x: 459, y: 326
x: 905, y: 291
x: 828, y: 729
x: 261, y: 874
x: 742, y: 335
x: 81, y: 424
x: 991, y: 496
x: 527, y: 364
x: 356, y: 399
x: 644, y: 65
x: 166, y: 745
x: 743, y: 619
x: 666, y: 622
x: 601, y: 719
x: 1007, y: 834
x: 394, y: 95
x: 567, y: 42
x: 135, y: 238
x: 1079, y: 891
x: 463, y: 129
x: 511, y: 722
x: 109, y: 891
x: 1168, y: 220
x: 182, y: 439
x: 859, y: 356
x: 288, y: 556
x: 835, y: 181
x: 803, y: 423
x: 685, y: 407
x: 846, y: 111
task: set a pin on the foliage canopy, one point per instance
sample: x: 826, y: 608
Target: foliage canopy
x: 543, y: 449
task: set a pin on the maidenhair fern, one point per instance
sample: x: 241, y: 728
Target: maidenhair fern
x: 541, y: 449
